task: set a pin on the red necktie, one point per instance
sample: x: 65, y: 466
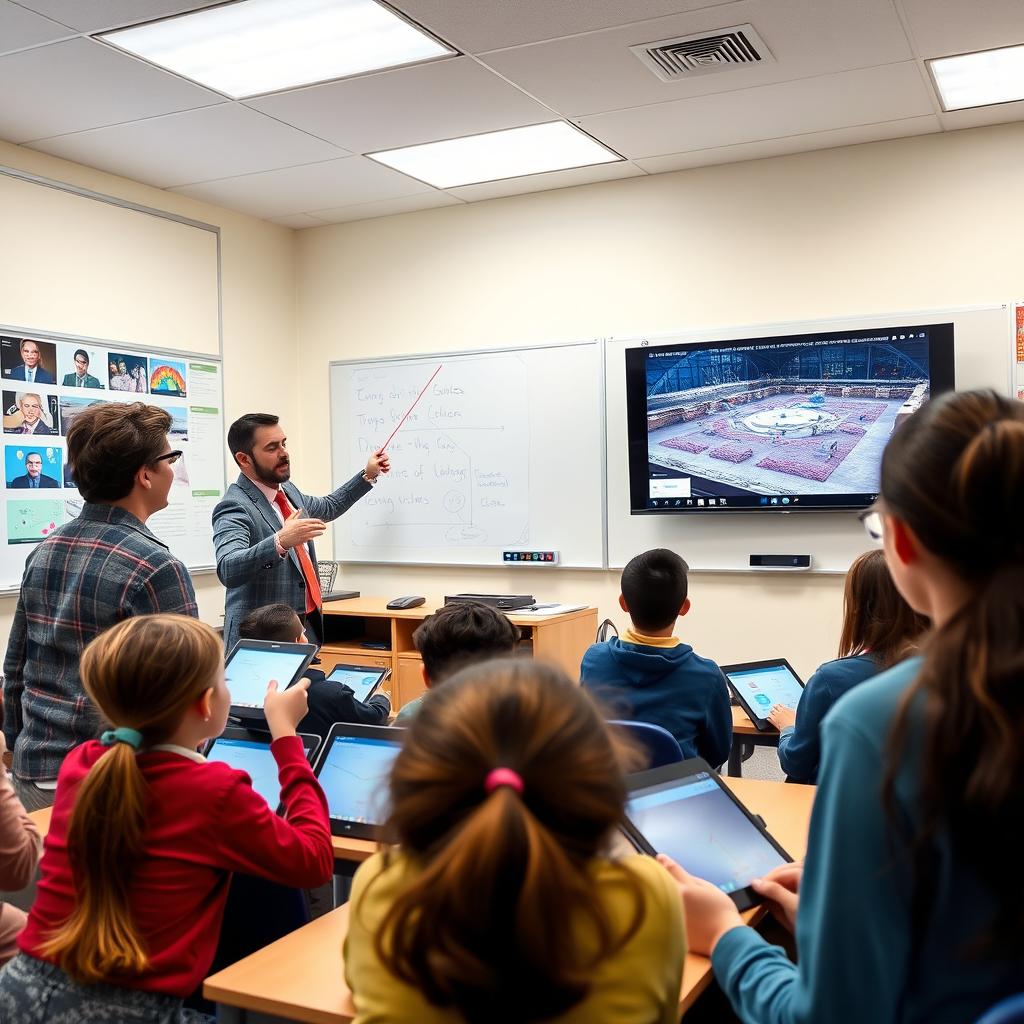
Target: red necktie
x: 313, y: 598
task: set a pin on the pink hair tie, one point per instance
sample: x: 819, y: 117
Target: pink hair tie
x: 503, y: 777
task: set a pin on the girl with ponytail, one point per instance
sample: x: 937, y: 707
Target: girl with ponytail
x: 145, y: 834
x: 910, y: 907
x: 497, y: 901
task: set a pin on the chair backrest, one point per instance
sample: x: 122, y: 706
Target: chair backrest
x: 661, y: 746
x: 1006, y: 1011
x: 606, y: 627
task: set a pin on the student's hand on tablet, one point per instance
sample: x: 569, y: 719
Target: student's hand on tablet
x: 285, y: 710
x: 710, y: 913
x: 781, y: 717
x: 781, y: 891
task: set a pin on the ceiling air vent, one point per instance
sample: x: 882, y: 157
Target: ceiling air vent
x: 686, y: 56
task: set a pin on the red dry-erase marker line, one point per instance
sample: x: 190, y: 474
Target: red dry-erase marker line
x: 384, y: 446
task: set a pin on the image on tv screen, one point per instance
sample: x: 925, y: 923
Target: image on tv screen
x: 785, y: 423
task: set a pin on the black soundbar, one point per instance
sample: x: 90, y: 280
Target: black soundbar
x: 503, y: 602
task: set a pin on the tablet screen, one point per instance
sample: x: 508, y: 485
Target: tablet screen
x: 256, y: 760
x: 700, y: 827
x: 770, y: 684
x: 251, y: 669
x: 354, y: 777
x: 362, y: 681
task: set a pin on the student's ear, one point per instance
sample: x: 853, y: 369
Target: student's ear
x: 204, y: 706
x: 426, y: 677
x: 684, y: 608
x: 144, y: 477
x: 622, y: 604
x: 904, y: 541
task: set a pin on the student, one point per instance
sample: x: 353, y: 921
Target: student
x: 328, y: 702
x: 651, y: 676
x: 456, y: 635
x: 20, y: 846
x: 498, y: 903
x: 910, y: 906
x: 879, y: 629
x: 145, y: 834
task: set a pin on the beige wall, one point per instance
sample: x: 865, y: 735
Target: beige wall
x: 912, y: 224
x: 258, y: 270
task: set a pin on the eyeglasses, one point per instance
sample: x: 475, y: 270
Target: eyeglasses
x: 874, y: 527
x: 169, y: 457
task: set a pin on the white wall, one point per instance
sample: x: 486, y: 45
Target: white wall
x: 911, y: 224
x: 258, y: 269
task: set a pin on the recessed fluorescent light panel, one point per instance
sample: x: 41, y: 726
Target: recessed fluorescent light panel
x: 512, y: 153
x: 980, y: 79
x: 262, y: 46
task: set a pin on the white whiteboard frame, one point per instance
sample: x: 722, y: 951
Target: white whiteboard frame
x: 602, y: 419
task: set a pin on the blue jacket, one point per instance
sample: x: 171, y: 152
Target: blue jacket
x: 667, y: 686
x: 860, y: 960
x: 800, y: 745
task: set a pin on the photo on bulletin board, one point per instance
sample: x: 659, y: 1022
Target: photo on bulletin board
x: 32, y: 467
x: 30, y: 519
x: 71, y: 406
x: 31, y: 412
x: 81, y: 366
x: 27, y: 359
x: 126, y: 372
x: 167, y: 377
x: 179, y: 423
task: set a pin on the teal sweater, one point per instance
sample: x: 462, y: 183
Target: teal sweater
x: 859, y: 961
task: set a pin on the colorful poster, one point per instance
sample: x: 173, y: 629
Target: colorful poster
x: 167, y: 377
x: 1020, y: 333
x: 29, y: 520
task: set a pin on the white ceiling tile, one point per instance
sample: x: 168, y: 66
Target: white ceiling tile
x: 544, y: 182
x: 942, y: 27
x: 298, y: 221
x: 197, y: 145
x: 388, y: 207
x: 477, y: 25
x: 977, y: 117
x: 19, y: 28
x: 80, y: 84
x: 792, y: 144
x: 441, y: 100
x: 95, y: 15
x: 889, y: 93
x: 594, y: 73
x: 303, y: 189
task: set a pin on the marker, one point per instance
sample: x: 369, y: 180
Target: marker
x: 384, y: 446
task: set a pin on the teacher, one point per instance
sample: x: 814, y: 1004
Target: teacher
x: 264, y: 527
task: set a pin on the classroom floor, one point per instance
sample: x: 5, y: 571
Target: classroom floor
x: 763, y: 763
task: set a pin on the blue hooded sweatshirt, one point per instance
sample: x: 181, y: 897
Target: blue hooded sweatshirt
x: 667, y: 686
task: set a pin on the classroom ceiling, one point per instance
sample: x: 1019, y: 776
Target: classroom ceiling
x: 844, y: 72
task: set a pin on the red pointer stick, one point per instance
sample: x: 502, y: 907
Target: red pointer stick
x: 384, y: 446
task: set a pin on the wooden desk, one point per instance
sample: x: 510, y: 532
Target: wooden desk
x: 348, y: 625
x: 42, y: 820
x: 744, y: 735
x: 301, y: 977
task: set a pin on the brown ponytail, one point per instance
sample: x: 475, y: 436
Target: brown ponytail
x: 954, y: 473
x: 491, y: 925
x: 142, y: 674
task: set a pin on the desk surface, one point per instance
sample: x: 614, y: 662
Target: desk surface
x: 376, y: 607
x: 302, y: 975
x: 743, y: 726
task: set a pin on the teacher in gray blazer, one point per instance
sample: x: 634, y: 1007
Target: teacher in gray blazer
x: 264, y: 527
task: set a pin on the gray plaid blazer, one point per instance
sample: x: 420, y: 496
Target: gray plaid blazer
x: 244, y: 524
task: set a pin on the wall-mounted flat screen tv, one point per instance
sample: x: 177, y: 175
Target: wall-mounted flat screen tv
x: 782, y: 424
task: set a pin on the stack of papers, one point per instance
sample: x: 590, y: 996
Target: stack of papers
x: 549, y: 609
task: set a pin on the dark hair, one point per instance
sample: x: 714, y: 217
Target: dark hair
x: 81, y: 352
x: 460, y: 634
x: 654, y: 588
x: 109, y: 443
x: 490, y: 925
x: 242, y: 433
x: 278, y: 622
x: 954, y: 474
x: 38, y: 455
x: 876, y: 618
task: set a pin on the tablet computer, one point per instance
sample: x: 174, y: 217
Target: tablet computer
x: 353, y: 769
x: 686, y: 811
x: 250, y: 752
x: 363, y: 680
x: 253, y: 663
x: 757, y: 685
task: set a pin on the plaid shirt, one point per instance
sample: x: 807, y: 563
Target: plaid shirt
x: 93, y: 572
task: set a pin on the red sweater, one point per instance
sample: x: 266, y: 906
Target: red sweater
x: 205, y: 821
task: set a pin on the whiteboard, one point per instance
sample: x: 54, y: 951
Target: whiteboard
x: 725, y: 542
x: 503, y: 452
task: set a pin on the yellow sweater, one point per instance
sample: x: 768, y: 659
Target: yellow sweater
x: 637, y: 985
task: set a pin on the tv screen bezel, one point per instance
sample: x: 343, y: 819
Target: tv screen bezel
x: 941, y: 376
